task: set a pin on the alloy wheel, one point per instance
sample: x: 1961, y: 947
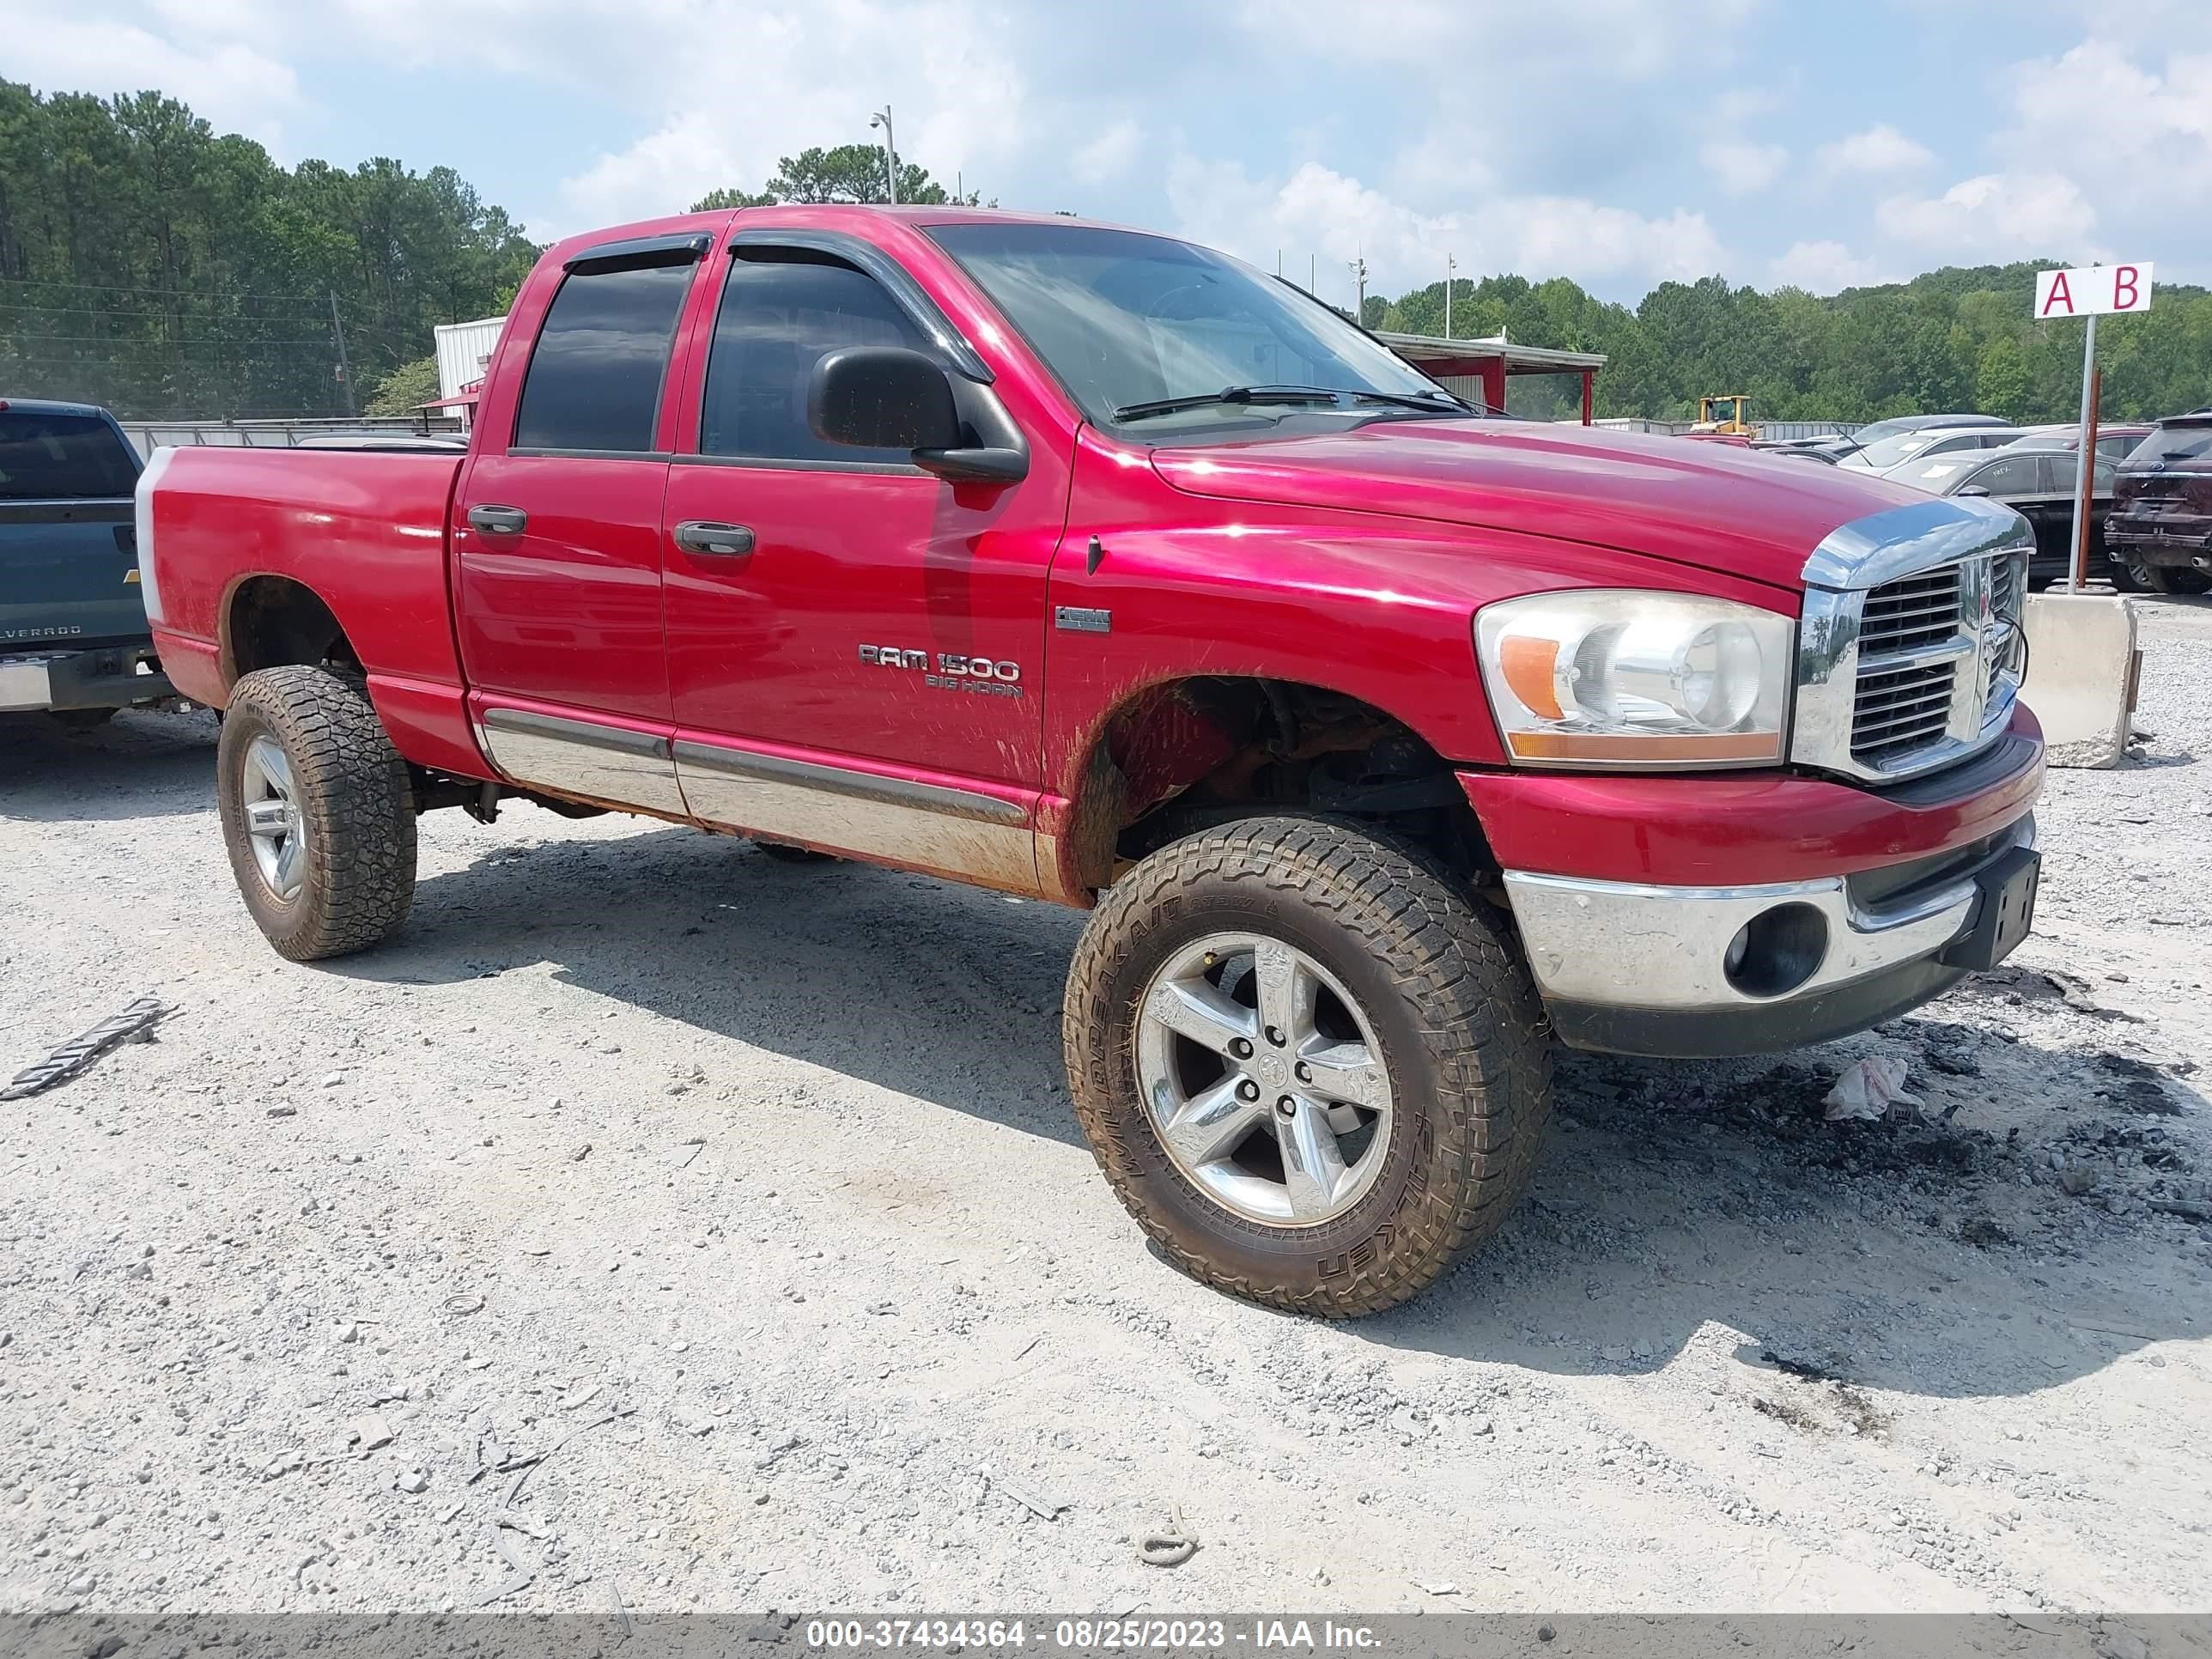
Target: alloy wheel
x: 1263, y: 1080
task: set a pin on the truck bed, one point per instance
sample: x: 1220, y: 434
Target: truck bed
x: 362, y: 529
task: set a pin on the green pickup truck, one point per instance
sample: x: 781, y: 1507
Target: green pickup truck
x: 73, y: 636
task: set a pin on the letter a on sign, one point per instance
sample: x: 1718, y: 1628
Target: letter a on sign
x: 2093, y: 290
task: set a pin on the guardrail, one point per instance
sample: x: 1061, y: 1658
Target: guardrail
x: 1772, y: 429
x: 147, y: 436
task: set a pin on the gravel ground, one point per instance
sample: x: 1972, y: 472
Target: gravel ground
x: 745, y: 1198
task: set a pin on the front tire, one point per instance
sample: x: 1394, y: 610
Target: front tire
x: 1311, y: 1069
x: 318, y: 812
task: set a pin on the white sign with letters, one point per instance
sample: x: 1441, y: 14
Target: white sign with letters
x: 2092, y: 291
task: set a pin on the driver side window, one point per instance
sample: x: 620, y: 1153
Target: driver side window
x: 779, y: 318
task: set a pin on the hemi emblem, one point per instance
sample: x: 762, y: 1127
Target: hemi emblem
x: 1080, y: 619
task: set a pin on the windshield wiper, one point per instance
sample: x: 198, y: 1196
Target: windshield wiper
x: 1436, y: 402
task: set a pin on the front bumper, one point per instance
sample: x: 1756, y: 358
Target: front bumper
x: 1630, y: 893
x: 100, y: 677
x: 1687, y: 971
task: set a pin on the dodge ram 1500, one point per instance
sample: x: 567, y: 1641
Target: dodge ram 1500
x: 1385, y: 741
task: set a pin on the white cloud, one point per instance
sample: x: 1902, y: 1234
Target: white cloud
x: 1825, y: 268
x: 234, y: 84
x: 1742, y: 167
x: 1996, y: 216
x: 1109, y: 155
x: 1315, y: 215
x: 1318, y: 215
x: 1880, y: 148
x: 1443, y: 39
x: 780, y: 75
x: 2144, y: 135
x: 957, y: 101
x: 1584, y: 239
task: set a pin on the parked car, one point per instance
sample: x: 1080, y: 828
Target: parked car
x: 1836, y: 448
x: 1886, y: 455
x: 2037, y: 478
x: 1382, y: 740
x: 2160, y: 530
x: 2114, y: 440
x: 73, y: 636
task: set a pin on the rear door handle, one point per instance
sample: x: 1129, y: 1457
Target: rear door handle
x: 720, y: 540
x: 498, y: 520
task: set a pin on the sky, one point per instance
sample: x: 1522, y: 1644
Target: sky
x: 1816, y: 142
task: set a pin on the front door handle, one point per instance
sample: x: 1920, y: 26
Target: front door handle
x: 719, y: 540
x: 498, y: 520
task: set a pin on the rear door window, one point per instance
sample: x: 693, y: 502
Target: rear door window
x: 2012, y: 476
x: 781, y: 316
x: 51, y: 457
x: 595, y: 379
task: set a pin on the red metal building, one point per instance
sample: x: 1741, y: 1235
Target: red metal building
x: 1480, y: 367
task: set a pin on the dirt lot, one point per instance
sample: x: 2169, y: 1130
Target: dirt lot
x: 749, y: 1195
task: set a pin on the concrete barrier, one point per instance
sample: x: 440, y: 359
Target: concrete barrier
x: 2081, y: 661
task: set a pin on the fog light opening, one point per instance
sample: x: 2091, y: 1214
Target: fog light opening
x: 1776, y: 951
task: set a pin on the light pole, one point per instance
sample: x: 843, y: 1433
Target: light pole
x: 882, y: 119
x: 1450, y: 265
x: 1359, y: 268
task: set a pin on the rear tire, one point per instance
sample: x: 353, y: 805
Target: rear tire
x: 318, y: 812
x: 2175, y: 579
x: 1411, y: 1003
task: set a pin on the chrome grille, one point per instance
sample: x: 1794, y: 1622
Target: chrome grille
x: 1898, y: 710
x: 2005, y: 590
x: 1918, y: 667
x: 1917, y: 610
x: 1930, y: 655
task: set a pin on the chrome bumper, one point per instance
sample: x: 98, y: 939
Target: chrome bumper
x: 1619, y: 945
x: 102, y: 677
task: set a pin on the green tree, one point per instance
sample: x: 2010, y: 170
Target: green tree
x: 856, y: 173
x: 2001, y: 385
x: 150, y: 264
x: 726, y: 196
x: 404, y: 390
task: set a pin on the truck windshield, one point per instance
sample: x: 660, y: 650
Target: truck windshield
x: 50, y: 457
x: 1132, y: 324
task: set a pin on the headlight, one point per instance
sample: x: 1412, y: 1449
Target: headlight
x: 1616, y: 677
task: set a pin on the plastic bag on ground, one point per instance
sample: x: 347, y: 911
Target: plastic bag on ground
x: 1868, y: 1091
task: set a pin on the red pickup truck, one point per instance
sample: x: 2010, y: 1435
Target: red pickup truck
x: 1384, y: 741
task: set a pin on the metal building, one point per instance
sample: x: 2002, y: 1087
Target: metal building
x: 1478, y: 368
x: 465, y: 352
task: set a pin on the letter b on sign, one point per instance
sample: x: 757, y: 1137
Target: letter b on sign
x: 2093, y: 290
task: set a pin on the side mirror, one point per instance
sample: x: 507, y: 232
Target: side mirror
x: 1974, y: 489
x: 894, y: 397
x: 882, y: 397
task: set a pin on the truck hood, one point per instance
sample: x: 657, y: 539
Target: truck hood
x: 1711, y: 506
